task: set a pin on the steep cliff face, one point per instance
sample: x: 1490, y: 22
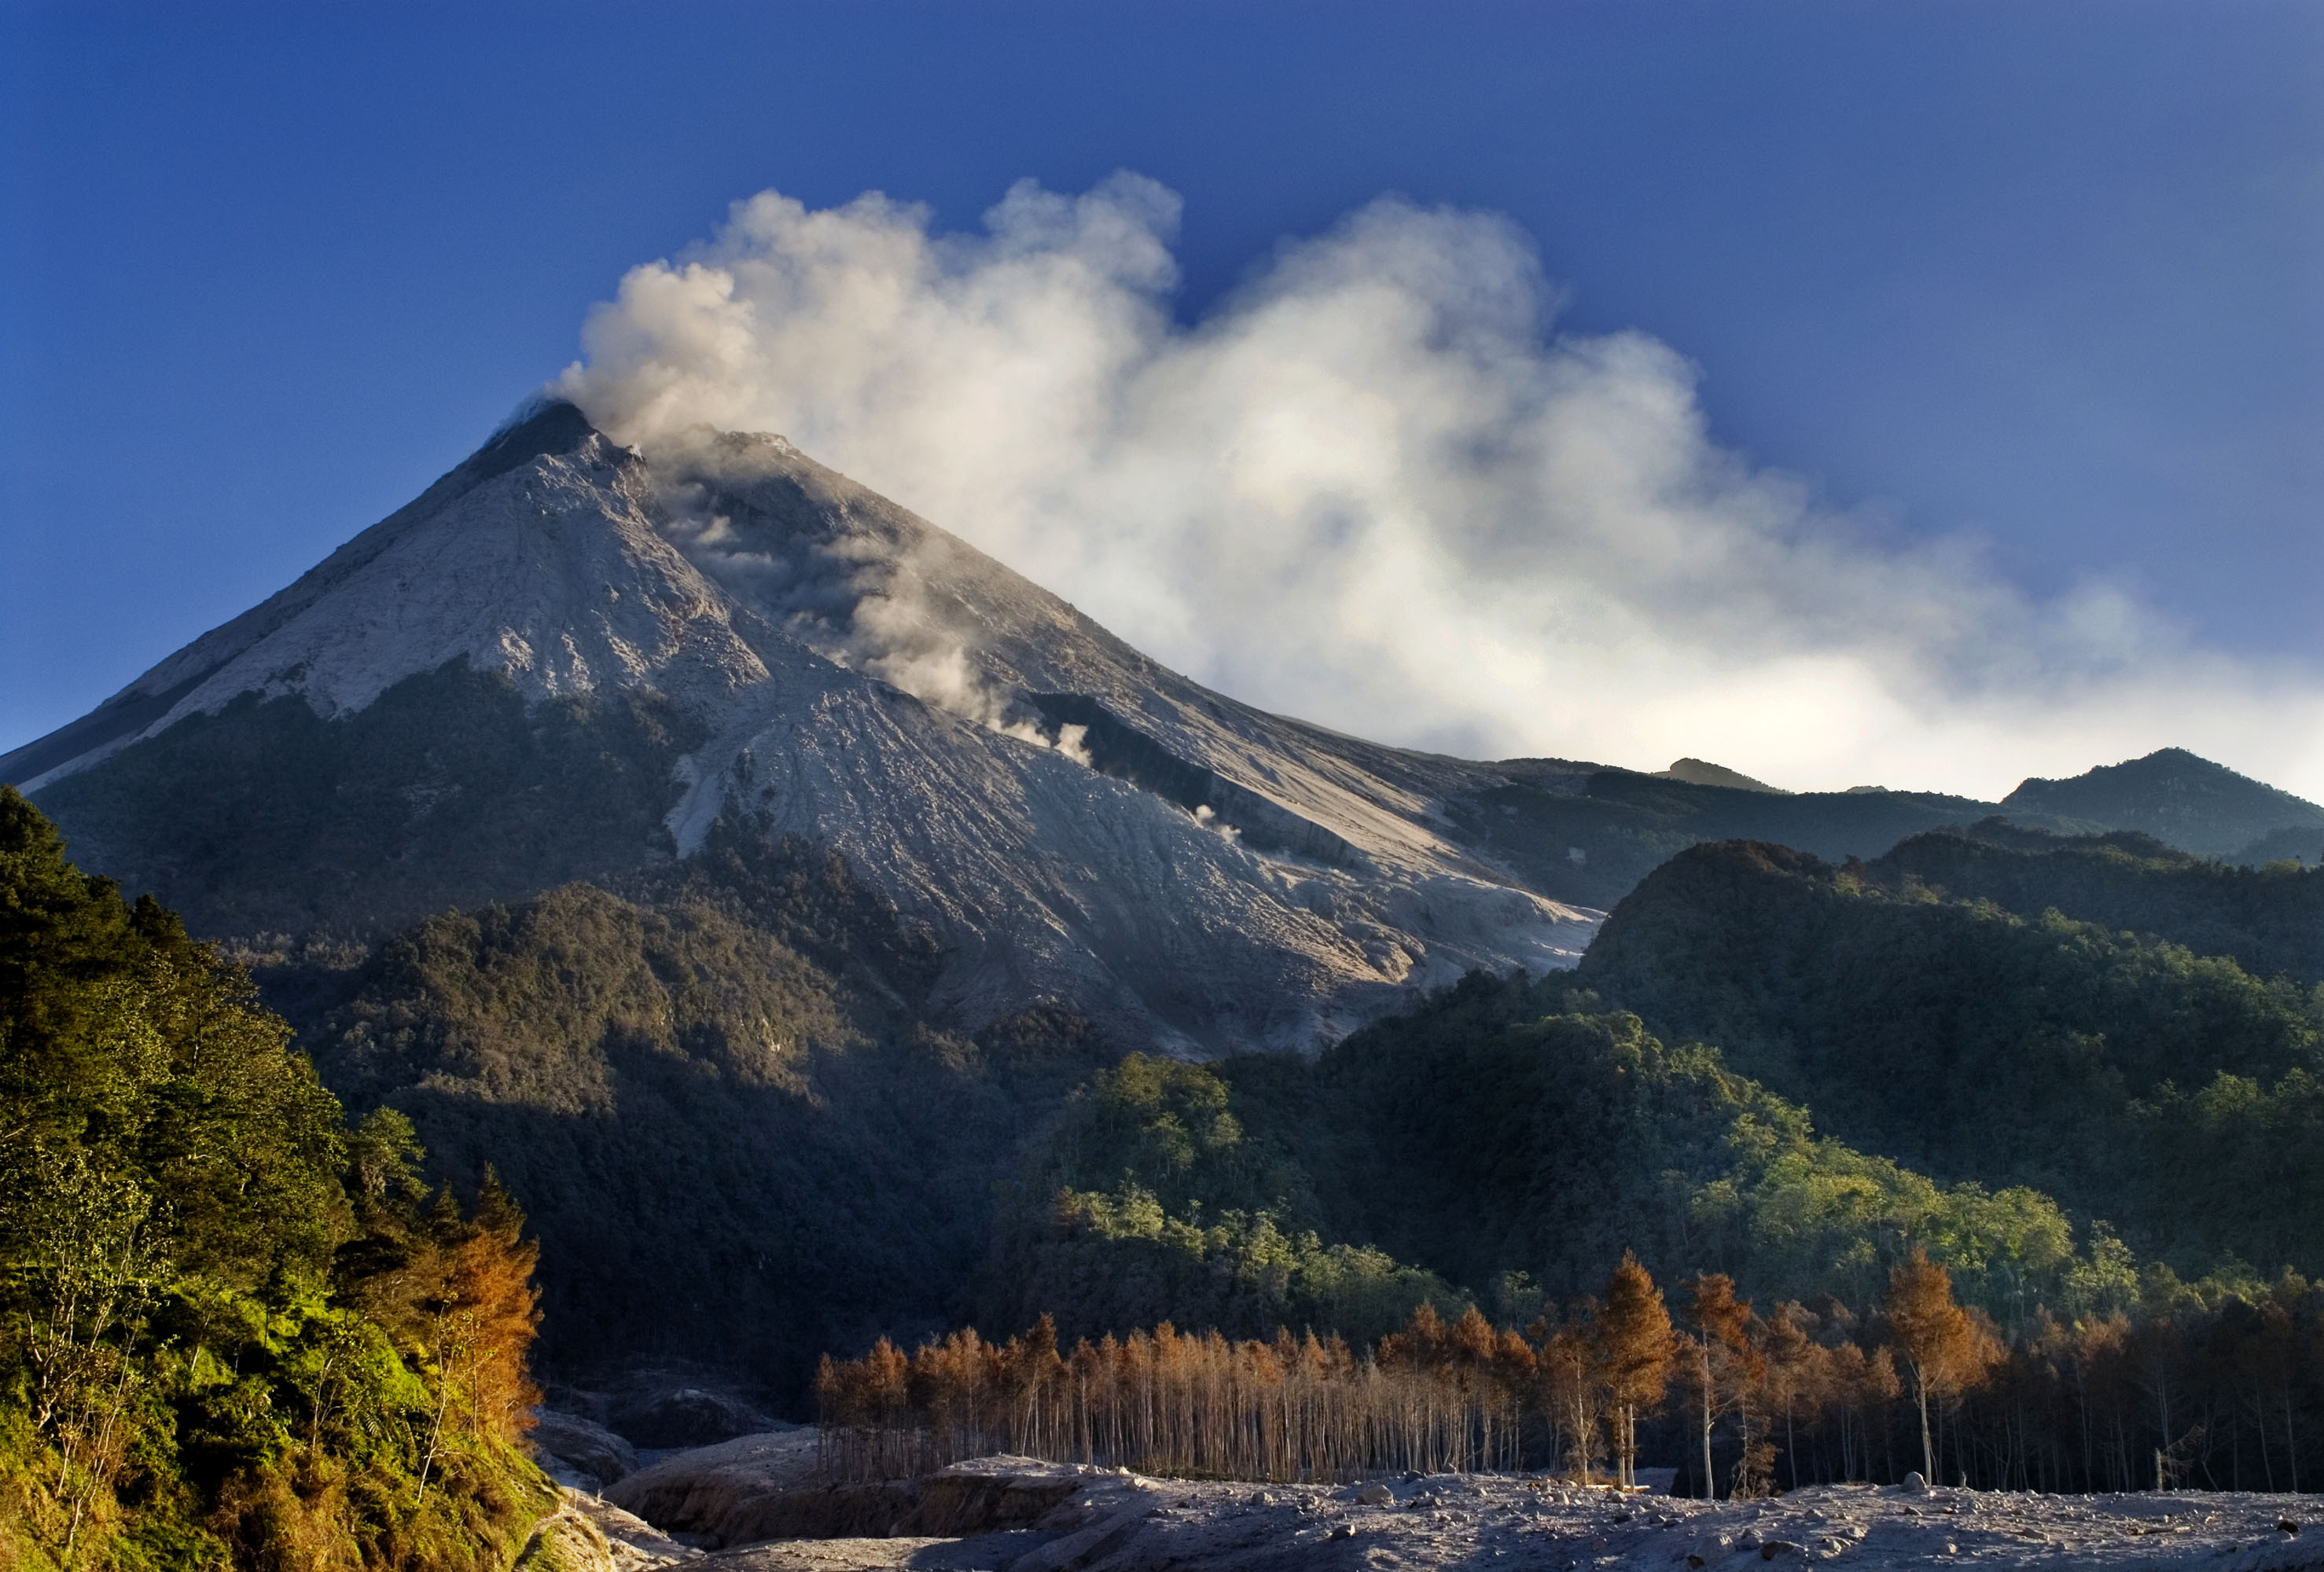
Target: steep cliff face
x: 571, y: 659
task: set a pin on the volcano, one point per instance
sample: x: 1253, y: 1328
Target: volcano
x: 569, y: 659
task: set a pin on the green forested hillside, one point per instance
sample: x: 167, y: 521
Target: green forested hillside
x: 738, y: 1140
x: 232, y: 1328
x: 2269, y: 919
x: 2173, y: 1094
x: 2203, y: 807
x: 742, y: 1141
x: 1590, y: 837
x: 1503, y: 1144
x: 1484, y: 1164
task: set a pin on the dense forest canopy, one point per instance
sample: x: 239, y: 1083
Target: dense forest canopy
x: 233, y: 1329
x: 2270, y: 918
x: 2175, y: 1095
x: 736, y: 1132
x: 1482, y: 1159
x: 745, y: 1139
x: 1498, y: 1146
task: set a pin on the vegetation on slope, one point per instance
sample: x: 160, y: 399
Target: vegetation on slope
x: 2174, y: 1094
x: 2220, y: 1386
x: 1490, y: 1147
x: 1481, y: 1161
x: 738, y: 1138
x: 233, y: 1330
x: 448, y: 790
x: 2269, y: 919
x: 2191, y: 802
x: 1591, y: 839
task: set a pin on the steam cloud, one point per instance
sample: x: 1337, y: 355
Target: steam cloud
x: 1377, y: 490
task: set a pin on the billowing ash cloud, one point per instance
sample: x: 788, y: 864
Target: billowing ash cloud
x: 1378, y: 489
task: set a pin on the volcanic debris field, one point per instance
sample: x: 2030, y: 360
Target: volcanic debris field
x: 1014, y: 1514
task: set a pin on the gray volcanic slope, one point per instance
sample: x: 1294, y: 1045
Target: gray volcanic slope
x: 736, y: 631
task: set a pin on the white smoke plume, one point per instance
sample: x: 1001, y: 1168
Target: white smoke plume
x: 1376, y: 489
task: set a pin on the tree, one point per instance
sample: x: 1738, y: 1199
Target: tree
x: 1794, y: 1374
x: 1568, y: 1386
x: 1939, y: 1344
x: 1721, y: 1353
x: 1635, y: 1353
x: 191, y: 1244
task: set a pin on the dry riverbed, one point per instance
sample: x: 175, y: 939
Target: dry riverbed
x: 1097, y: 1521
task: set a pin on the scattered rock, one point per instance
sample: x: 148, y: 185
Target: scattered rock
x: 1914, y: 1484
x: 1374, y: 1495
x: 1099, y: 1520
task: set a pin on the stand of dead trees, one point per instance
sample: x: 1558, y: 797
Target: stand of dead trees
x: 2222, y: 1393
x: 1431, y: 1397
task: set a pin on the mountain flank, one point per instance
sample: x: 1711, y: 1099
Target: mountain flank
x: 2173, y: 1095
x: 569, y: 659
x: 829, y: 936
x: 2188, y: 803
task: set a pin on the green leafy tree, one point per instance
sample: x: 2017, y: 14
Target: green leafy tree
x: 191, y: 1247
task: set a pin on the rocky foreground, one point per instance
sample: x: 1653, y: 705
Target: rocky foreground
x: 754, y: 1506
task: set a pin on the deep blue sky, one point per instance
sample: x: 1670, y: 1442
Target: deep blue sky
x: 2052, y: 272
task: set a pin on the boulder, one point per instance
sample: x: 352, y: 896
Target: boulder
x: 579, y: 1452
x: 1086, y: 1548
x: 678, y: 1414
x: 768, y: 1488
x: 698, y: 1488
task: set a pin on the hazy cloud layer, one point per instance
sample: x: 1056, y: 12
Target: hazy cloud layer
x: 1378, y: 489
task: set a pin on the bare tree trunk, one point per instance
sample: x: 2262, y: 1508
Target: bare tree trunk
x: 1710, y: 1490
x: 1928, y: 1446
x: 2290, y: 1438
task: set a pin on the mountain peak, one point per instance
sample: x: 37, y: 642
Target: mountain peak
x: 2177, y: 796
x: 733, y: 632
x: 1703, y: 772
x: 544, y: 429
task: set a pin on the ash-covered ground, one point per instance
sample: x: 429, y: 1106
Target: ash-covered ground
x: 1098, y: 1520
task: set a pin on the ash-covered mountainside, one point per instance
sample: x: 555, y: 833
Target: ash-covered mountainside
x: 569, y: 660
